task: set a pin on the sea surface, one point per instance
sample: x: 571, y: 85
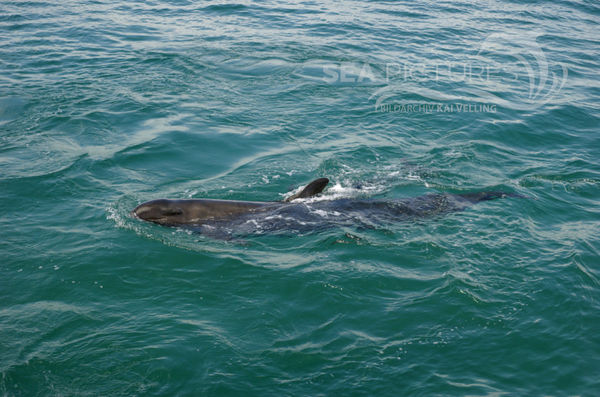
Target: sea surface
x: 106, y: 104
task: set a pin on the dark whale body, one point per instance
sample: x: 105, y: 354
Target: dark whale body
x: 225, y: 218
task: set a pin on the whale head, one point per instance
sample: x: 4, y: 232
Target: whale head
x: 163, y: 212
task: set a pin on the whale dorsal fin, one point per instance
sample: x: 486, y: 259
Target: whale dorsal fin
x: 312, y: 189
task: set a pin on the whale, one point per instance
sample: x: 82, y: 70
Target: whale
x: 301, y: 212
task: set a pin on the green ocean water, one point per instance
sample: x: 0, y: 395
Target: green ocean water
x: 106, y: 104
